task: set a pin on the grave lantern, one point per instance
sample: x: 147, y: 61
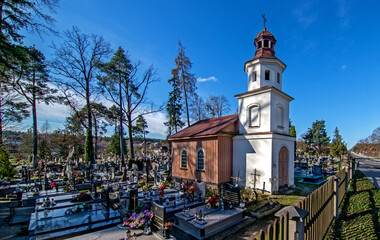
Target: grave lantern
x: 147, y: 229
x: 296, y: 221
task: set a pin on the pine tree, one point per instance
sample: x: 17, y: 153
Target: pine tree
x: 173, y: 108
x: 121, y: 85
x: 338, y: 147
x: 184, y: 78
x: 17, y: 15
x: 31, y: 82
x: 316, y: 137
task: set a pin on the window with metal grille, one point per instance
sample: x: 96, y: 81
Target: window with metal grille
x: 200, y: 159
x: 184, y: 159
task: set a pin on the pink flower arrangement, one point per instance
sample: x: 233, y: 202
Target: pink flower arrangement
x: 138, y: 220
x: 53, y: 184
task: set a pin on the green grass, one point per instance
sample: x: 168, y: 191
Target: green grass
x: 359, y: 212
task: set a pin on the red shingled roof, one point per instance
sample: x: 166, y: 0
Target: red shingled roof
x: 206, y: 127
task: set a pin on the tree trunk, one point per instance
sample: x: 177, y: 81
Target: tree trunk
x: 187, y: 107
x: 1, y: 119
x: 130, y: 130
x: 121, y: 135
x: 89, y: 148
x: 34, y: 112
x: 96, y: 139
x: 121, y: 127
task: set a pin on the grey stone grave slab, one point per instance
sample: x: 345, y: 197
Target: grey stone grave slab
x: 57, y: 220
x: 215, y: 221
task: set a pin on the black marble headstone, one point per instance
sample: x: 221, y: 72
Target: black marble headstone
x: 230, y: 193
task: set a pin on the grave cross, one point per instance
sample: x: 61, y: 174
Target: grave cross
x: 255, y: 175
x: 134, y: 202
x: 237, y: 179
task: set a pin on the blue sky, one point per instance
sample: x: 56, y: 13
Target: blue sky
x: 331, y: 49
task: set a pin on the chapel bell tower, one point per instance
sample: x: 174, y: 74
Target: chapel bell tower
x: 265, y: 69
x: 263, y: 149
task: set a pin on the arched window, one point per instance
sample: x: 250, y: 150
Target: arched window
x: 184, y: 159
x: 254, y: 116
x: 200, y: 159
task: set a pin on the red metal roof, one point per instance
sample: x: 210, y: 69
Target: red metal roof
x: 205, y: 127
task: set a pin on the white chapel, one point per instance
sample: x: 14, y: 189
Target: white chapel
x: 262, y: 149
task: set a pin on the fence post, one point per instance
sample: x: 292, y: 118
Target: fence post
x: 296, y: 224
x: 336, y: 197
x: 346, y: 179
x: 352, y: 165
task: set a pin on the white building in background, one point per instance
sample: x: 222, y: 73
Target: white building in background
x: 263, y: 142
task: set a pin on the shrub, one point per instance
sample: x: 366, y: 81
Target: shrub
x: 6, y: 169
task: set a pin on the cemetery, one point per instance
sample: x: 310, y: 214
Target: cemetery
x: 222, y: 175
x: 162, y: 206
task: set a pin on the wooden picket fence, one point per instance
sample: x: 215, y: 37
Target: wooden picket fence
x: 321, y: 207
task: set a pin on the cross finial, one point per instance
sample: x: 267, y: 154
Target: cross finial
x: 264, y: 19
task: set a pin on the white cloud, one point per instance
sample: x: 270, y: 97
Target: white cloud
x: 209, y: 79
x: 155, y: 123
x: 306, y: 13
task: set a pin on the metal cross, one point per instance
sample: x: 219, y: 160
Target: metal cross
x: 264, y: 19
x: 255, y: 176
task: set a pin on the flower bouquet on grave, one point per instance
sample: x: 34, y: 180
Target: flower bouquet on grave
x: 141, y: 182
x: 213, y: 202
x: 146, y: 188
x: 192, y: 189
x: 162, y: 188
x: 67, y: 188
x: 82, y: 197
x: 183, y: 187
x: 138, y: 220
x: 78, y: 208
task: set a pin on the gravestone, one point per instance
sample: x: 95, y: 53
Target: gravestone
x: 317, y: 170
x: 177, y: 183
x: 201, y: 186
x: 230, y: 193
x: 158, y: 222
x: 104, y: 195
x: 304, y: 165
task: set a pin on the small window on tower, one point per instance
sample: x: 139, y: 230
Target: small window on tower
x: 266, y: 43
x: 271, y: 45
x: 259, y: 45
x: 254, y: 77
x: 278, y: 77
x: 267, y: 75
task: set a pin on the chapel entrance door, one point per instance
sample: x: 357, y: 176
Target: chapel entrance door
x: 283, y: 166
